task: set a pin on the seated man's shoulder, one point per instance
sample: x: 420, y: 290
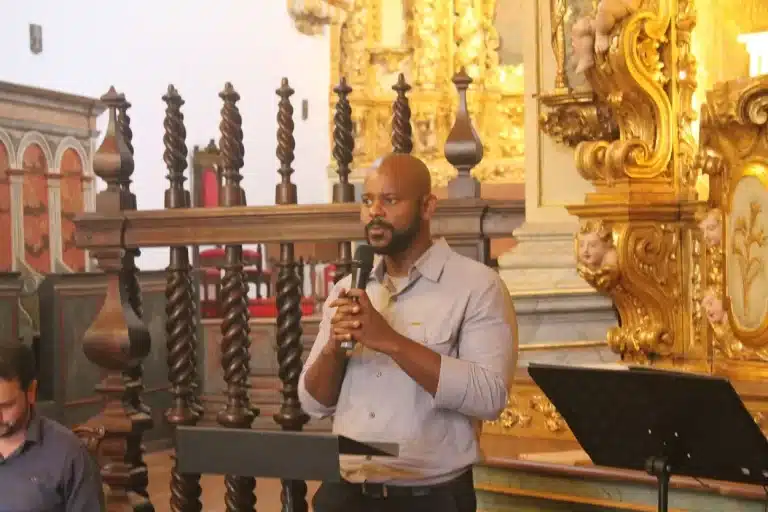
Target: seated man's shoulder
x: 61, y: 435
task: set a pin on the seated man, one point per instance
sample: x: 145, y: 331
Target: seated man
x: 436, y: 342
x: 43, y: 466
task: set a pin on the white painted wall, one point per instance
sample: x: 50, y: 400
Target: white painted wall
x: 141, y: 46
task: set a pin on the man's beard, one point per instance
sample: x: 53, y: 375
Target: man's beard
x: 7, y: 429
x: 399, y: 239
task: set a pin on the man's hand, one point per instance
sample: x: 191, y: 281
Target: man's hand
x: 359, y: 321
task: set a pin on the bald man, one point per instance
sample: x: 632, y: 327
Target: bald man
x: 436, y: 340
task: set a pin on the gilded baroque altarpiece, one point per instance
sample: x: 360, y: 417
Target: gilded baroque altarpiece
x: 687, y: 272
x: 429, y: 41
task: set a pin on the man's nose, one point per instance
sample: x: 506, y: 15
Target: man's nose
x: 376, y: 210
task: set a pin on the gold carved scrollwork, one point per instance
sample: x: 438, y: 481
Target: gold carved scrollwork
x: 641, y: 75
x: 429, y: 54
x: 310, y: 17
x: 734, y: 155
x: 636, y: 57
x: 638, y: 265
x: 526, y: 410
x: 576, y: 117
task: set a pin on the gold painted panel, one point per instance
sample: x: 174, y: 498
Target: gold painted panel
x: 747, y: 253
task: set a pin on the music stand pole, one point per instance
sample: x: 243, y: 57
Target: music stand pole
x: 660, y: 468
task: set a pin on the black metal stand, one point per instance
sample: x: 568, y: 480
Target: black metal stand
x: 661, y: 469
x: 659, y: 421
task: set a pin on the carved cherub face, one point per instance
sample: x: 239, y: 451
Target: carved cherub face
x: 711, y: 228
x: 592, y: 250
x: 713, y: 307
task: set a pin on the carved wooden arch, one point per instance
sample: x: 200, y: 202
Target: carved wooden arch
x: 35, y: 137
x: 6, y: 140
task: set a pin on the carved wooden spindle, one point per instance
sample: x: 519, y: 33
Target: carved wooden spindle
x: 289, y: 348
x: 402, y: 134
x: 463, y: 148
x: 134, y: 377
x: 117, y: 340
x: 237, y: 413
x: 180, y: 326
x: 343, y: 147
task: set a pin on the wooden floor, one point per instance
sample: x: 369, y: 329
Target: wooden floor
x: 159, y: 464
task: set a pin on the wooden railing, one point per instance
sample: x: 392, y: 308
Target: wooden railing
x: 118, y: 339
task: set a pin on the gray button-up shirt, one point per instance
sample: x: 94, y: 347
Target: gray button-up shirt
x: 51, y: 472
x: 457, y: 307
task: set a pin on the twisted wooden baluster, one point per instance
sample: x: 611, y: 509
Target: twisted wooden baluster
x: 343, y: 147
x: 117, y: 340
x: 289, y: 348
x: 134, y: 376
x: 237, y: 413
x: 402, y: 139
x: 180, y: 325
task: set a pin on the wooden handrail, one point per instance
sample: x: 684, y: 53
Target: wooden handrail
x: 285, y: 223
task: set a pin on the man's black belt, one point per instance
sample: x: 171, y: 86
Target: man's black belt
x: 382, y: 491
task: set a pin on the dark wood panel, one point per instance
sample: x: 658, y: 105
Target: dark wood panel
x: 68, y: 305
x: 10, y: 288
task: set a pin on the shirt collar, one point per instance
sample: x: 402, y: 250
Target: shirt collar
x: 429, y: 265
x: 34, y: 429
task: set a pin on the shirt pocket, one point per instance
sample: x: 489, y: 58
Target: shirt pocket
x: 437, y: 334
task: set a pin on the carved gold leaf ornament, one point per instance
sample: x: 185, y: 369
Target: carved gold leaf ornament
x: 534, y: 411
x: 310, y: 17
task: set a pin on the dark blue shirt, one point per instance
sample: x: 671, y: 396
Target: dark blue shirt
x: 51, y: 472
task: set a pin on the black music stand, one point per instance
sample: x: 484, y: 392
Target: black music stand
x: 267, y: 453
x: 663, y: 422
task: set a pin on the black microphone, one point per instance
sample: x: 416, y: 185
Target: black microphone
x: 361, y: 272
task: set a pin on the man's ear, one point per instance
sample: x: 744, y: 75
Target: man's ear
x: 429, y: 206
x: 32, y: 392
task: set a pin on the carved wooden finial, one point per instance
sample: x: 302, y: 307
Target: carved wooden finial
x: 343, y: 144
x: 285, y: 191
x: 113, y: 161
x: 175, y: 154
x: 463, y: 148
x: 402, y: 133
x: 231, y: 147
x: 118, y: 340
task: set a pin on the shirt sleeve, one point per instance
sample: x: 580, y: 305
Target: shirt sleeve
x: 476, y: 382
x: 83, y: 488
x: 310, y: 405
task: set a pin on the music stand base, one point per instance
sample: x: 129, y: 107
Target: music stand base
x: 661, y: 469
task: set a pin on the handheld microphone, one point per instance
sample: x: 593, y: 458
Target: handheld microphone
x: 361, y: 272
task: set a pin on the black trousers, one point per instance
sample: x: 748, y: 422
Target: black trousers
x: 457, y: 495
